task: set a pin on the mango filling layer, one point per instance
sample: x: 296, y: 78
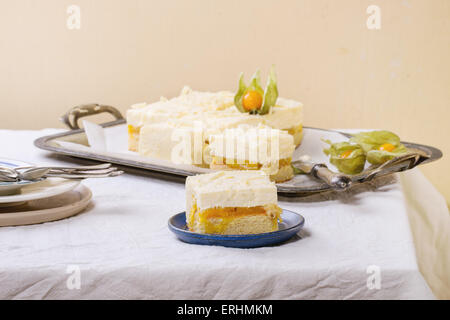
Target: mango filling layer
x: 133, y: 132
x: 292, y: 131
x: 216, y: 220
x: 246, y: 165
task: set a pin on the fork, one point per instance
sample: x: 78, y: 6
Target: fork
x: 81, y: 172
x: 7, y: 174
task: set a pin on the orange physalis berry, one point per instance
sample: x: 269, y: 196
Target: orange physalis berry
x: 345, y: 154
x: 386, y: 147
x: 252, y: 100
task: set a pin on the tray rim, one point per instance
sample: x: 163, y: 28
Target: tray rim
x: 43, y: 143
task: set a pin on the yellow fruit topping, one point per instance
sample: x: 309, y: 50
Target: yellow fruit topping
x: 133, y: 131
x: 216, y: 220
x: 386, y: 147
x: 252, y: 100
x: 247, y: 165
x: 346, y: 153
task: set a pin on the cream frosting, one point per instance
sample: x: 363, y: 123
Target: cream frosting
x: 230, y: 189
x: 217, y: 107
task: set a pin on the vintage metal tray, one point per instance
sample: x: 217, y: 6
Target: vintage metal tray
x: 300, y: 185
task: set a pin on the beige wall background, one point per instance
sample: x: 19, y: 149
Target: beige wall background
x: 347, y: 76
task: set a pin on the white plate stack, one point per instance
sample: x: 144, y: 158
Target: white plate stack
x: 42, y: 201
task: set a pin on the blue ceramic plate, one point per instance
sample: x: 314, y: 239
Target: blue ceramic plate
x: 292, y: 223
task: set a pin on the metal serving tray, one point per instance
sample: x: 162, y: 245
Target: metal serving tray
x: 299, y: 185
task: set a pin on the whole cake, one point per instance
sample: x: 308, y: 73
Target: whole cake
x: 153, y: 128
x: 232, y: 202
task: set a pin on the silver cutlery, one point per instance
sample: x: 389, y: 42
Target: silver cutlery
x: 35, y: 173
x: 343, y: 181
x: 69, y: 169
x: 8, y: 174
x: 84, y: 176
x: 4, y: 178
x: 32, y: 174
x: 400, y: 163
x: 321, y: 171
x: 98, y: 171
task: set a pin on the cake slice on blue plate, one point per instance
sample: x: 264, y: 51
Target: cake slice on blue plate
x: 232, y: 202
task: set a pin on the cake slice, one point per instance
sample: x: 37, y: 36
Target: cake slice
x: 232, y: 202
x: 253, y: 148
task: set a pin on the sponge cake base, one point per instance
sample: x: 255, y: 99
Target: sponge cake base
x: 237, y: 221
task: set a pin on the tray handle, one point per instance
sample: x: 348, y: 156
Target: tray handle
x: 71, y: 118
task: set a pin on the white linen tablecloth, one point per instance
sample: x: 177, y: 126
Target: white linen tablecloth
x: 355, y: 245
